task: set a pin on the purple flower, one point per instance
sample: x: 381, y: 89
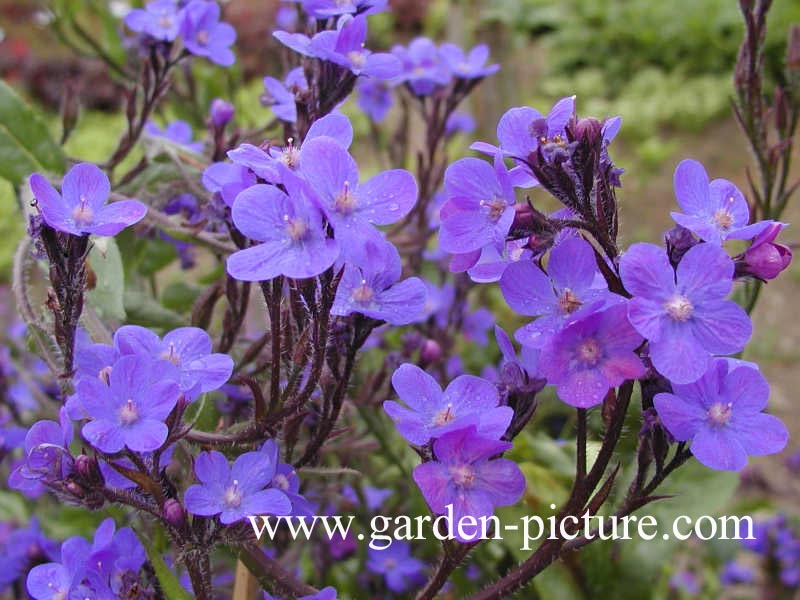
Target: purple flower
x: 459, y: 122
x: 352, y: 208
x: 328, y: 593
x: 714, y: 211
x: 345, y: 47
x: 471, y: 66
x: 178, y: 132
x: 322, y: 9
x: 266, y: 162
x: 53, y: 581
x: 159, y: 19
x: 764, y: 258
x: 187, y: 348
x: 23, y: 547
x: 572, y: 283
x: 47, y: 457
x: 280, y: 96
x: 395, y: 563
x: 374, y: 290
x: 294, y: 242
x: 735, y: 572
x: 684, y: 313
x: 227, y: 180
x: 235, y: 492
x: 721, y: 414
x: 422, y: 67
x: 431, y: 413
x: 373, y: 497
x: 287, y: 480
x: 521, y: 373
x: 204, y: 35
x: 464, y: 476
x: 130, y: 410
x: 592, y: 355
x: 374, y: 98
x: 81, y: 207
x: 480, y: 206
x: 521, y: 130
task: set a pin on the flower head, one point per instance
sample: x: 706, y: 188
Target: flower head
x: 81, y: 207
x: 430, y: 412
x: 591, y: 355
x: 683, y: 312
x: 465, y: 476
x: 178, y: 132
x: 467, y: 66
x: 395, y: 563
x: 130, y: 410
x: 159, y: 19
x: 721, y: 415
x: 714, y: 211
x: 234, y: 492
x: 204, y: 35
x: 345, y: 47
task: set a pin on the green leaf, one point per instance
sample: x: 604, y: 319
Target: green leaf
x: 109, y: 291
x: 25, y: 142
x: 166, y: 577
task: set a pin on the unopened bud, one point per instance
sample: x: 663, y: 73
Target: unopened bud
x: 173, y: 512
x: 588, y: 130
x: 221, y: 112
x: 764, y: 258
x: 87, y: 468
x: 430, y: 352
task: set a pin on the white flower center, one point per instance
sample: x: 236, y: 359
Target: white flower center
x: 202, y: 37
x: 233, y: 497
x: 363, y: 294
x: 171, y: 355
x: 128, y: 414
x: 719, y: 413
x: 345, y: 201
x: 496, y: 206
x: 444, y: 416
x: 723, y: 219
x: 83, y: 213
x: 463, y: 475
x: 679, y: 308
x: 295, y: 228
x: 589, y: 352
x: 568, y: 302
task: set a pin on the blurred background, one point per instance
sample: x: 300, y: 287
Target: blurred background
x: 665, y: 67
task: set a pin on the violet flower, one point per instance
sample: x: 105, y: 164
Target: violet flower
x: 374, y: 98
x: 187, y: 348
x: 683, y: 313
x: 431, y: 413
x: 294, y: 242
x: 345, y: 47
x: 467, y: 66
x: 81, y: 207
x: 178, y: 132
x: 227, y: 180
x: 280, y: 96
x: 721, y: 414
x: 235, y: 492
x: 572, y: 283
x: 352, y: 208
x: 204, y: 35
x: 480, y: 206
x: 130, y: 410
x: 465, y: 476
x: 160, y: 19
x: 423, y: 69
x: 395, y: 563
x: 715, y: 211
x: 764, y: 258
x: 375, y: 289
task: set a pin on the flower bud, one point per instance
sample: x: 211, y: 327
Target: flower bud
x: 430, y: 352
x: 678, y: 241
x: 86, y: 467
x: 221, y: 112
x: 588, y: 129
x: 173, y: 512
x: 765, y: 259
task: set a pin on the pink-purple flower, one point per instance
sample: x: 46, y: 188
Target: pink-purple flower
x: 466, y: 475
x: 591, y: 355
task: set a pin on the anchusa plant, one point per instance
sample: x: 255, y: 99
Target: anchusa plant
x: 324, y: 346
